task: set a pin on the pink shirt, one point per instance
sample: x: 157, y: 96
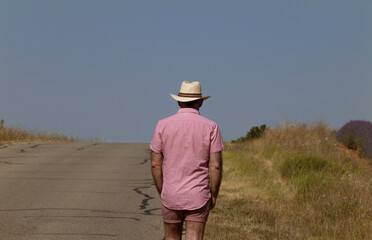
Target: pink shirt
x: 186, y: 139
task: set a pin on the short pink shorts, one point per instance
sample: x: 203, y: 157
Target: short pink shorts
x: 178, y: 216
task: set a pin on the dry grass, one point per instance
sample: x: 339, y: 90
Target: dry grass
x: 15, y: 134
x: 293, y: 183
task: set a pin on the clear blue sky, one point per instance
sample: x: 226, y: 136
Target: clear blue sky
x: 104, y: 69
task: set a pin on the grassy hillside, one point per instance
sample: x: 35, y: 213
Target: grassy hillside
x: 15, y: 134
x: 295, y: 182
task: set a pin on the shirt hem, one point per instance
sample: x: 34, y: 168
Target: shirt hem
x: 155, y: 150
x: 214, y: 151
x: 188, y: 209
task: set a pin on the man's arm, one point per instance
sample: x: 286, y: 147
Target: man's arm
x: 156, y: 170
x: 215, y: 175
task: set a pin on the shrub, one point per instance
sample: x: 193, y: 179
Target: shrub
x: 254, y: 133
x: 357, y: 135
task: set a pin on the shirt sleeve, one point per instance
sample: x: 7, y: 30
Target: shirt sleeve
x: 216, y: 140
x: 156, y: 143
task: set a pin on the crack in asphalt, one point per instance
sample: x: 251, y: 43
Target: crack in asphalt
x: 146, y: 197
x: 144, y: 161
x: 70, y: 209
x: 74, y: 234
x: 5, y: 162
x: 106, y: 217
x: 34, y: 146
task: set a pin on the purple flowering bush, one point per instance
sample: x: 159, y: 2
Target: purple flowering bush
x: 357, y: 135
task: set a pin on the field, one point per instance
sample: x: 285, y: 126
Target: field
x: 295, y: 182
x: 16, y: 134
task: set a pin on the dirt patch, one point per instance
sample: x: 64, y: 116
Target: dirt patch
x: 365, y: 163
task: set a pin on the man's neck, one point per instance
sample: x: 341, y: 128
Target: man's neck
x: 191, y: 108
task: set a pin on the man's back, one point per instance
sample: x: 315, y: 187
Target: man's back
x: 186, y: 139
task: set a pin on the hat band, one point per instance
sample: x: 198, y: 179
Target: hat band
x: 191, y: 95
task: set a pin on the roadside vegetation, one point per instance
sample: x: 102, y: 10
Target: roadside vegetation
x: 16, y: 134
x: 254, y: 133
x: 357, y: 135
x: 294, y: 182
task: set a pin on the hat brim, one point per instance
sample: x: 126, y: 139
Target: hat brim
x: 187, y: 99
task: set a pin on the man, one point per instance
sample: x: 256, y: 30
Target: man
x: 186, y: 165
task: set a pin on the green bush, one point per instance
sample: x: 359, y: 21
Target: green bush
x: 254, y: 133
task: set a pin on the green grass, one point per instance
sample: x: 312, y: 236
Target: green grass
x: 293, y: 183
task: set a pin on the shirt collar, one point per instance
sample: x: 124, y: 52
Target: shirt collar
x: 188, y: 110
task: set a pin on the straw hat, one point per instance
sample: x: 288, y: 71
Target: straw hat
x: 189, y: 92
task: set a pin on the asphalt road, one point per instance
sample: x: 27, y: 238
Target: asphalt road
x: 78, y: 191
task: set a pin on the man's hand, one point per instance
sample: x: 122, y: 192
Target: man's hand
x: 215, y: 175
x: 213, y: 202
x: 156, y: 170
